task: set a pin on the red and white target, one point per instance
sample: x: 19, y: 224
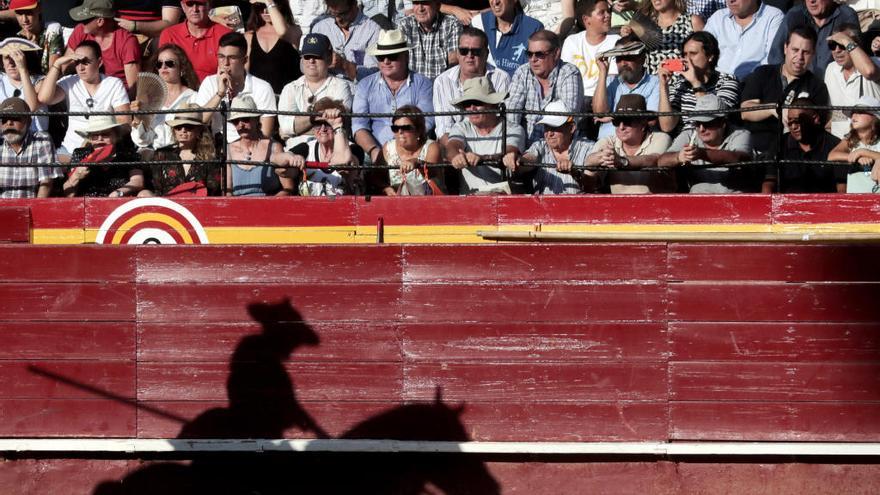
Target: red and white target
x: 151, y: 221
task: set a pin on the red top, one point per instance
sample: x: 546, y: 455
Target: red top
x: 124, y: 50
x: 202, y: 51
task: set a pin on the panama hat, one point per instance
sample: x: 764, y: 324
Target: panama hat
x: 389, y: 42
x: 242, y: 104
x: 188, y: 118
x: 98, y: 123
x: 555, y: 120
x: 866, y: 101
x: 480, y: 89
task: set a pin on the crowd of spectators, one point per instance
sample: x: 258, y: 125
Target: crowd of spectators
x: 506, y: 71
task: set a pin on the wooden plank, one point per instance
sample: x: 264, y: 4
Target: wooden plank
x: 736, y: 381
x: 67, y: 340
x: 774, y: 262
x: 789, y: 342
x: 535, y: 382
x: 15, y: 224
x: 66, y: 418
x: 85, y: 263
x: 424, y: 210
x: 311, y: 381
x: 774, y: 302
x: 775, y: 421
x: 784, y: 478
x: 18, y: 379
x: 601, y: 342
x: 52, y: 213
x: 67, y: 302
x: 229, y: 303
x: 824, y: 208
x: 536, y: 263
x: 269, y: 264
x: 540, y: 302
x: 30, y: 476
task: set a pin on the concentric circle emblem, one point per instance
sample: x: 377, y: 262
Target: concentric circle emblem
x: 151, y: 221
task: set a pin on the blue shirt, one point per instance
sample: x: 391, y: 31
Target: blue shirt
x: 510, y: 51
x: 374, y: 96
x: 798, y: 16
x: 649, y: 87
x: 364, y: 33
x: 744, y: 49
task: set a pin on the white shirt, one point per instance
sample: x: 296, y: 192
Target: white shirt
x: 256, y: 88
x: 843, y: 92
x: 110, y: 94
x: 577, y: 51
x: 159, y: 134
x: 447, y: 87
x: 7, y: 90
x: 549, y: 12
x: 305, y: 12
x: 296, y: 95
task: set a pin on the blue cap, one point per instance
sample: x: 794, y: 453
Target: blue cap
x: 316, y: 44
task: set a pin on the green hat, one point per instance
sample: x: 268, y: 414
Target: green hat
x: 91, y: 9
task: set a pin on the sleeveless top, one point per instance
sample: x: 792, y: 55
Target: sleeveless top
x: 414, y: 183
x: 258, y: 181
x: 670, y: 47
x: 277, y: 67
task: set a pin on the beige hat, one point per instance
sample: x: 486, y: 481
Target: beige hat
x: 479, y: 89
x: 98, y: 123
x: 241, y: 104
x: 389, y: 42
x: 8, y: 45
x: 188, y: 118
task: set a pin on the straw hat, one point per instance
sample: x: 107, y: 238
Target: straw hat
x: 188, y: 118
x: 389, y: 42
x: 243, y: 103
x: 98, y: 123
x: 480, y: 89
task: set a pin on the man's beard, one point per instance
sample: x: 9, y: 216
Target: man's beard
x: 631, y: 76
x: 13, y: 137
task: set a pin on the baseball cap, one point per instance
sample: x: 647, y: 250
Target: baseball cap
x: 14, y: 104
x: 555, y: 120
x: 316, y: 44
x: 23, y: 4
x: 707, y: 103
x: 91, y: 9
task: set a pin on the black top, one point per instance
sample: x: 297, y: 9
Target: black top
x: 806, y: 178
x: 102, y: 181
x: 278, y: 67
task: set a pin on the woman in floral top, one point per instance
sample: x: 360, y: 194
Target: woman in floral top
x: 191, y: 142
x: 48, y: 37
x: 675, y: 25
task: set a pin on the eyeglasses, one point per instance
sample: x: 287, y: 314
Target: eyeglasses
x: 312, y: 57
x: 221, y: 57
x: 712, y: 124
x: 539, y: 55
x: 402, y: 128
x: 464, y: 51
x: 165, y: 63
x: 392, y: 57
x: 833, y: 45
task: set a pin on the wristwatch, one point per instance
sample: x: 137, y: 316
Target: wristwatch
x: 624, y: 162
x: 851, y: 46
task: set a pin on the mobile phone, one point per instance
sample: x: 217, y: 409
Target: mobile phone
x: 673, y: 65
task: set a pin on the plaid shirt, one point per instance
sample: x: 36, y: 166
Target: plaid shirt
x: 430, y: 52
x: 704, y: 8
x: 22, y: 182
x: 566, y: 84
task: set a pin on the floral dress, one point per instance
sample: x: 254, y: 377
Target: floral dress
x: 164, y: 178
x: 673, y: 36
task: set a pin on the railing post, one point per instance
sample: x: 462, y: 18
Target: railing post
x: 503, y: 111
x: 780, y: 143
x: 224, y: 113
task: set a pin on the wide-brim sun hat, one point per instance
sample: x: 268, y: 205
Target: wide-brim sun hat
x: 245, y: 108
x: 390, y: 42
x: 555, y: 120
x: 869, y: 102
x: 634, y: 102
x: 188, y: 118
x: 98, y: 123
x: 480, y: 89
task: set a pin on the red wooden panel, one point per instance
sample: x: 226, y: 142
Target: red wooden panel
x: 19, y: 381
x: 535, y: 382
x: 339, y: 341
x: 535, y: 262
x: 416, y: 210
x: 52, y: 213
x: 229, y: 303
x: 36, y: 476
x: 782, y: 478
x: 269, y: 264
x: 771, y: 301
x: 67, y: 340
x: 15, y: 224
x: 649, y: 208
x: 802, y: 342
x: 71, y: 302
x: 775, y: 421
x: 312, y: 381
x: 66, y: 418
x: 83, y: 263
x: 774, y: 262
x: 825, y: 208
x: 533, y: 302
x: 774, y: 381
x: 536, y: 341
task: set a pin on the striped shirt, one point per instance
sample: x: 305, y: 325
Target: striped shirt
x: 447, y: 87
x: 22, y: 182
x: 548, y: 180
x: 526, y: 94
x: 363, y: 33
x: 682, y: 97
x: 430, y: 54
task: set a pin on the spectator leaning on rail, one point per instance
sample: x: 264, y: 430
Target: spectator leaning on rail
x: 473, y: 50
x: 478, y: 138
x: 861, y: 147
x: 745, y: 31
x: 806, y: 140
x: 713, y: 141
x: 632, y: 78
x: 386, y: 91
x: 120, y: 51
x: 508, y: 30
x: 351, y: 33
x: 198, y: 35
x: 48, y: 36
x: 410, y: 151
x: 679, y: 92
x: 435, y: 34
x: 21, y: 145
x: 853, y: 74
x: 820, y: 15
x: 783, y: 83
x: 632, y: 147
x: 544, y: 79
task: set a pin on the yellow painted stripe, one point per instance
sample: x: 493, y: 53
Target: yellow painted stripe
x: 59, y: 236
x: 152, y: 217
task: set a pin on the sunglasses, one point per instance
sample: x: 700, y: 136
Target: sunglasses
x: 539, y: 55
x: 186, y: 127
x: 712, y: 124
x: 833, y: 45
x: 193, y: 4
x: 627, y: 121
x: 317, y: 124
x: 16, y: 93
x: 165, y: 63
x: 9, y: 118
x: 390, y: 57
x: 312, y: 57
x: 464, y: 52
x: 402, y: 128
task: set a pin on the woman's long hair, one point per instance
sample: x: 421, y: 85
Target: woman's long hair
x: 852, y: 137
x: 188, y: 75
x: 204, y: 147
x: 255, y: 21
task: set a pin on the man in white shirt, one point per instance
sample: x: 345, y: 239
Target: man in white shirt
x: 745, y: 31
x: 853, y: 74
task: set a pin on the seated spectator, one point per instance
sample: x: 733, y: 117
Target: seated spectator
x: 47, y: 35
x: 190, y: 140
x: 632, y: 147
x: 508, y: 30
x: 120, y: 51
x: 853, y: 74
x: 147, y: 18
x: 544, y: 79
x: 273, y: 38
x: 555, y: 16
x: 198, y: 35
x: 478, y: 138
x: 822, y: 16
x: 473, y: 51
x: 861, y: 147
x: 103, y: 145
x: 765, y: 85
x: 22, y: 145
x: 86, y: 91
x: 54, y: 12
x: 266, y: 177
x: 331, y: 146
x: 713, y: 141
x: 705, y: 9
x: 351, y: 33
x: 675, y: 24
x: 435, y: 33
x: 231, y: 80
x: 411, y: 151
x: 806, y: 140
x: 632, y: 78
x: 559, y: 147
x: 679, y: 92
x: 390, y: 88
x: 316, y: 83
x: 745, y: 31
x: 17, y: 80
x: 180, y: 80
